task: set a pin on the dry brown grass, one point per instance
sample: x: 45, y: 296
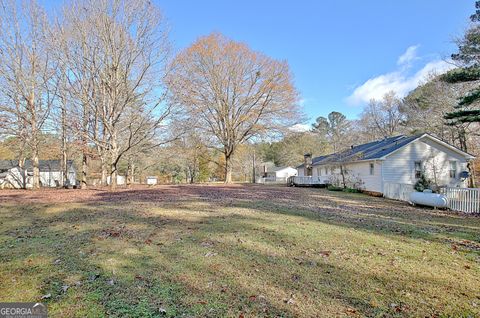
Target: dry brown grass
x: 213, y: 251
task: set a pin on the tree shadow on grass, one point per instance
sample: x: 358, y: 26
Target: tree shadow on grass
x: 131, y: 262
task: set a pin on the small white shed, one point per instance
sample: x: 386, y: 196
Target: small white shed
x: 278, y: 174
x: 152, y: 180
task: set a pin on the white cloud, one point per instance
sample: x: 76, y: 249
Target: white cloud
x: 401, y: 81
x: 300, y: 128
x: 409, y: 56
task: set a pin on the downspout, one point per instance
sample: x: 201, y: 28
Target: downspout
x: 381, y: 176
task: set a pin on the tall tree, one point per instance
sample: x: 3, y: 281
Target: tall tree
x: 26, y: 75
x: 335, y: 128
x: 232, y: 93
x: 384, y: 116
x: 424, y: 110
x: 115, y: 53
x: 468, y: 58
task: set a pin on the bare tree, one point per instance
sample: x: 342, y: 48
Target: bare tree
x: 425, y: 109
x: 115, y: 53
x: 232, y: 92
x: 384, y: 117
x: 26, y: 75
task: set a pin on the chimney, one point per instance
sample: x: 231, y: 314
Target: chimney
x: 308, y: 164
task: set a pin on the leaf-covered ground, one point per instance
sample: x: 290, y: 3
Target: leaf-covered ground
x: 236, y: 251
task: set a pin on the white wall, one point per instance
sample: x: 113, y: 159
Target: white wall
x: 371, y: 182
x: 120, y: 180
x: 14, y: 178
x: 285, y: 173
x: 358, y: 170
x: 300, y: 172
x: 399, y: 167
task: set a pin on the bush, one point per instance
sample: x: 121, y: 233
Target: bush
x: 352, y: 190
x: 423, y: 183
x: 334, y: 188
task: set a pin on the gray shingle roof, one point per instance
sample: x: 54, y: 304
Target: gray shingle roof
x: 369, y: 151
x: 44, y: 165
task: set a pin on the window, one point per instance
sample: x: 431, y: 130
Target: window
x: 418, y: 169
x: 319, y: 171
x: 453, y: 169
x: 372, y: 169
x: 326, y: 171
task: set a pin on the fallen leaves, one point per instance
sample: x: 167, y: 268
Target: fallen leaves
x: 210, y: 254
x: 325, y: 253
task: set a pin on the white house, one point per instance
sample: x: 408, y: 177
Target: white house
x: 51, y: 174
x: 400, y: 159
x: 277, y: 174
x: 281, y: 173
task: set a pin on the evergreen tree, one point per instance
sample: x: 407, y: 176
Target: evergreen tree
x: 467, y: 110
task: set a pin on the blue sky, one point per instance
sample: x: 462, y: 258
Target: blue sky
x: 341, y: 53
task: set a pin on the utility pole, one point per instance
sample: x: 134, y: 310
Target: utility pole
x: 253, y: 167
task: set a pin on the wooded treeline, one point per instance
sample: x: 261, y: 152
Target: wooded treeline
x: 100, y: 83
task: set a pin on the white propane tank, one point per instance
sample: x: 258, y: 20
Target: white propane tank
x: 429, y: 199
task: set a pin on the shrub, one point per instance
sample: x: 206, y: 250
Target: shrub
x: 352, y: 190
x: 334, y: 188
x: 423, y: 183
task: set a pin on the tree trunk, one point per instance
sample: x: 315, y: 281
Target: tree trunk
x: 35, y: 164
x: 228, y: 168
x: 253, y: 168
x: 103, y: 181
x: 83, y: 185
x: 113, y: 177
x: 64, y: 148
x: 342, y: 172
x: 130, y: 173
x: 21, y: 164
x: 113, y: 164
x: 471, y: 169
x: 34, y: 141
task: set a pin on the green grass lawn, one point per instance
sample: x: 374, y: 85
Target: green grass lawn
x: 238, y: 251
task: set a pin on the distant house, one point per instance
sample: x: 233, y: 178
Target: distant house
x: 401, y: 160
x: 51, y: 174
x: 277, y: 174
x: 121, y: 180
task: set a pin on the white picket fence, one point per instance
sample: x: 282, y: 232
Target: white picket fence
x: 271, y: 180
x: 465, y: 200
x: 397, y: 191
x: 307, y: 180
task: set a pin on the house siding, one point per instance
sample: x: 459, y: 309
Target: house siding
x: 15, y: 178
x: 285, y: 173
x: 399, y: 167
x: 362, y: 171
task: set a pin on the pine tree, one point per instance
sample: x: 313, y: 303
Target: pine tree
x: 467, y: 110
